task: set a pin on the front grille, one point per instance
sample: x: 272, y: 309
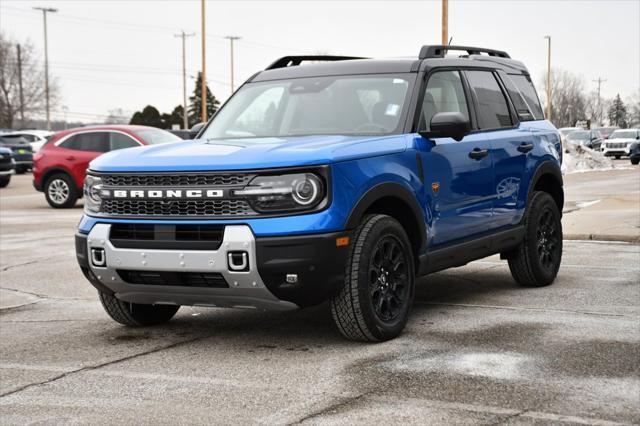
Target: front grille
x: 174, y: 237
x: 179, y: 279
x: 199, y: 179
x: 183, y: 208
x: 616, y: 145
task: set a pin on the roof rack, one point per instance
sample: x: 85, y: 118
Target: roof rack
x: 438, y: 51
x: 291, y: 61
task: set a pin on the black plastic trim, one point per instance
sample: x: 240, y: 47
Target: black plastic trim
x: 83, y: 260
x: 316, y: 260
x: 388, y: 189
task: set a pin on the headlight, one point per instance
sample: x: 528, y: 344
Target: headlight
x: 92, y: 194
x: 291, y: 192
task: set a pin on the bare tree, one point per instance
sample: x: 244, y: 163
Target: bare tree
x: 633, y: 104
x: 596, y: 109
x: 32, y: 83
x: 117, y: 116
x: 568, y: 101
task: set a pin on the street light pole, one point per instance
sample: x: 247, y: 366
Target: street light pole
x: 231, y: 40
x: 46, y: 60
x: 203, y: 77
x: 445, y: 22
x: 185, y: 122
x: 600, y: 80
x: 548, y: 37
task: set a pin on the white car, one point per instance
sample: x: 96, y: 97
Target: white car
x: 619, y: 143
x: 36, y: 138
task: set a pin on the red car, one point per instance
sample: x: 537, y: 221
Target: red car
x: 60, y: 166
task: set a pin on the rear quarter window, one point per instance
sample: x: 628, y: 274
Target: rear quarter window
x: 528, y: 91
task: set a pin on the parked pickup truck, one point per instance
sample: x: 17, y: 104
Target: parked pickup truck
x: 343, y: 180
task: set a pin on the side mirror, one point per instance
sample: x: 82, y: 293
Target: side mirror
x: 448, y: 125
x: 193, y: 132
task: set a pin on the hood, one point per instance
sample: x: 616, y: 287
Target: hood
x: 247, y: 154
x: 622, y: 140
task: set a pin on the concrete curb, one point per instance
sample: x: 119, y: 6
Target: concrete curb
x: 634, y: 239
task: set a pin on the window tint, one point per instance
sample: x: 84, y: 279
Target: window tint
x: 444, y: 93
x: 524, y: 84
x: 522, y: 107
x: 493, y: 111
x: 94, y: 142
x: 120, y: 141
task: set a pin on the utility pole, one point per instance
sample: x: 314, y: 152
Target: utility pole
x: 20, y: 88
x: 548, y: 37
x: 445, y: 22
x: 203, y: 77
x: 231, y: 40
x: 183, y: 36
x: 600, y: 80
x: 46, y: 60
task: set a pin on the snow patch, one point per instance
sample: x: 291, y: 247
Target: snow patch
x: 578, y: 158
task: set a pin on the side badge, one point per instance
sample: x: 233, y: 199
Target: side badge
x: 435, y: 187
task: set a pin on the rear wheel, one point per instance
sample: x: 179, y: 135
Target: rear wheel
x: 535, y: 262
x: 4, y: 180
x: 374, y: 302
x: 60, y: 191
x: 136, y: 314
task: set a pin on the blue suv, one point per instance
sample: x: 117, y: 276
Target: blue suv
x: 342, y: 180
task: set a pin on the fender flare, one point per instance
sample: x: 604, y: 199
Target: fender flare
x: 389, y: 189
x: 547, y: 167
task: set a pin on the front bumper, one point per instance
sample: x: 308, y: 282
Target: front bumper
x: 615, y: 151
x: 268, y: 283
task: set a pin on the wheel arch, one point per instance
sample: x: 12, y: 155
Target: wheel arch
x: 55, y: 171
x: 396, y: 201
x: 548, y: 178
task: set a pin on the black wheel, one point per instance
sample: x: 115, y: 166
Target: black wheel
x: 4, y: 180
x: 60, y: 191
x: 136, y: 314
x: 618, y: 157
x: 535, y: 262
x: 374, y: 303
x: 635, y: 161
x: 20, y: 170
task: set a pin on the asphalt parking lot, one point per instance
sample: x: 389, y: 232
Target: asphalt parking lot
x: 478, y: 349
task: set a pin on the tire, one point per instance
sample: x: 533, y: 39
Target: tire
x: 618, y: 157
x: 635, y: 161
x: 4, y: 181
x: 372, y: 306
x: 136, y: 314
x: 21, y: 170
x: 535, y: 262
x: 60, y: 191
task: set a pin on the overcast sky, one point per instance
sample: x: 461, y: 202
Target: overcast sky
x: 123, y: 54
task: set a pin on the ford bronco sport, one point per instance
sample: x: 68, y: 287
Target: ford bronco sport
x: 343, y: 181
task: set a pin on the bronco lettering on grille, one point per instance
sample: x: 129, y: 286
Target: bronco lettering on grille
x: 168, y: 193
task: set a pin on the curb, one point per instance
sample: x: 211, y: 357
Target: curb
x: 633, y: 239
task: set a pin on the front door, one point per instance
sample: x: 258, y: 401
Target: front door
x: 458, y: 175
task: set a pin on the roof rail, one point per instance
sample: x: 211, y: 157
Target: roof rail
x: 438, y: 51
x: 291, y: 61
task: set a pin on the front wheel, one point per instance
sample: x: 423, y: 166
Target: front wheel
x: 635, y: 161
x: 618, y: 157
x: 374, y: 302
x: 136, y: 314
x: 535, y: 262
x: 4, y: 181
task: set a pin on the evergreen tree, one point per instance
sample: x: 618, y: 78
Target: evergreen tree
x: 195, y: 103
x: 618, y: 113
x: 149, y: 116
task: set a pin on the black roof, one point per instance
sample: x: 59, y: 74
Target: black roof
x: 429, y: 57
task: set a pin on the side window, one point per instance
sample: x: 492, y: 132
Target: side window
x: 94, y: 142
x: 524, y: 84
x: 444, y: 93
x: 493, y: 110
x: 121, y: 141
x: 519, y: 102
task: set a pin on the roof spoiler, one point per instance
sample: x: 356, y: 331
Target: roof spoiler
x: 438, y: 51
x: 292, y: 61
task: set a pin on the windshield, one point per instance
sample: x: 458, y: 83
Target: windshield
x: 579, y: 135
x: 628, y: 134
x: 344, y: 105
x: 604, y: 132
x: 156, y: 136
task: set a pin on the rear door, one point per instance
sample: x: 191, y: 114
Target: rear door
x: 80, y: 149
x: 510, y: 144
x: 458, y: 174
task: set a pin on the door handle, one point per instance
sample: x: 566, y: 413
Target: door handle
x: 478, y: 153
x: 525, y: 147
x: 71, y: 158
